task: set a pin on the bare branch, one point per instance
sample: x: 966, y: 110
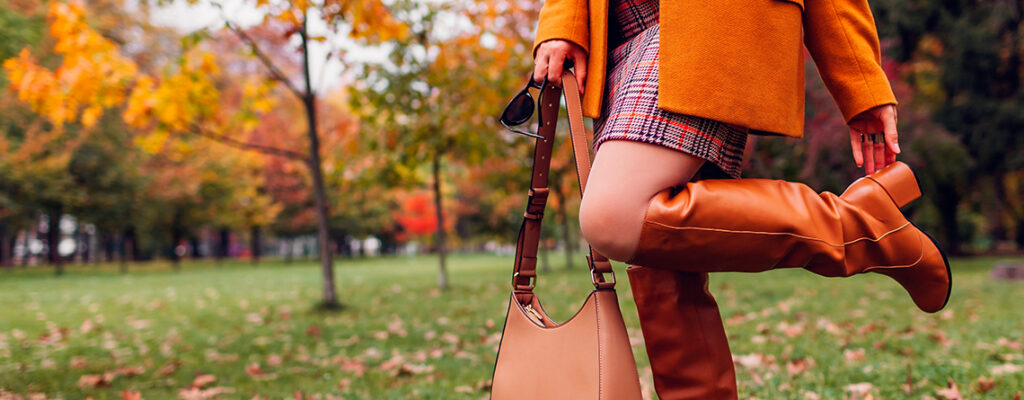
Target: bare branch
x: 274, y: 71
x: 270, y: 150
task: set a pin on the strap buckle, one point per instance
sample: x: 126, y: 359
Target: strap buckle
x: 515, y: 286
x: 597, y: 277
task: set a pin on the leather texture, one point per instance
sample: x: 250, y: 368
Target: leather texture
x: 683, y: 334
x: 753, y: 225
x: 589, y: 356
x: 740, y: 61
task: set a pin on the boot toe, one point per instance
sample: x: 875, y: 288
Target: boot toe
x: 929, y: 282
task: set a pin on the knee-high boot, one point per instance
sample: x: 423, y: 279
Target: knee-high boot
x: 754, y: 225
x: 683, y: 334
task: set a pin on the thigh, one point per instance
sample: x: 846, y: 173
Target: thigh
x: 624, y: 177
x: 629, y: 173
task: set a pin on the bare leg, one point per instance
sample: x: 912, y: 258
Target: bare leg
x: 624, y: 177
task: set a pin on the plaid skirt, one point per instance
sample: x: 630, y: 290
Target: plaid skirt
x: 630, y: 110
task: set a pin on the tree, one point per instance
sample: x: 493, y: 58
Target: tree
x: 965, y: 59
x: 422, y: 104
x: 185, y: 98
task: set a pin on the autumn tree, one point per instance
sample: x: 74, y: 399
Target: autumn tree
x: 434, y: 101
x: 186, y: 98
x: 965, y: 59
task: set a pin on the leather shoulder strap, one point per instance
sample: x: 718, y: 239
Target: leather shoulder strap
x: 525, y: 271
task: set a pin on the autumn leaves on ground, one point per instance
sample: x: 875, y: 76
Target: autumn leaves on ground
x: 237, y: 331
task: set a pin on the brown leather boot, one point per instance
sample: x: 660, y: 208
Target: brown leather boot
x: 752, y: 225
x: 683, y: 334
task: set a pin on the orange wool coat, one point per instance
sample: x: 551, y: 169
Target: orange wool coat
x: 739, y: 61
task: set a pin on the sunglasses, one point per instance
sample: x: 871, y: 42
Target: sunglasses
x: 520, y: 108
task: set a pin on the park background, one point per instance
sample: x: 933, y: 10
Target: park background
x: 313, y: 199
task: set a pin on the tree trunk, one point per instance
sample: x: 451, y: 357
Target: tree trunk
x: 1020, y: 236
x: 84, y: 248
x: 193, y: 244
x: 319, y: 191
x: 223, y: 246
x: 947, y: 201
x: 566, y: 233
x: 256, y: 243
x: 108, y: 245
x: 442, y: 251
x: 127, y: 248
x: 31, y: 234
x: 53, y: 239
x: 996, y: 210
x: 5, y: 246
x: 177, y: 234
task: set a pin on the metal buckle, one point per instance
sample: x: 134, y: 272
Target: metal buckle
x: 602, y: 285
x: 598, y: 277
x: 533, y: 281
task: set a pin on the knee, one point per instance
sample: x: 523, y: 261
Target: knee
x: 611, y: 229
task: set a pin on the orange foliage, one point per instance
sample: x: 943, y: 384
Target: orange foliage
x: 93, y: 75
x: 417, y: 216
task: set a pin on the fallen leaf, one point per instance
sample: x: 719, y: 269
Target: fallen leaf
x: 1005, y: 369
x: 203, y: 380
x: 128, y: 395
x: 857, y: 355
x: 859, y: 389
x: 130, y: 371
x: 195, y: 393
x: 951, y: 392
x: 254, y: 370
x: 169, y: 368
x: 985, y: 384
x: 79, y: 362
x: 95, y: 381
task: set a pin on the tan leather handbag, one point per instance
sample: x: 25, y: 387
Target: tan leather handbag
x: 588, y: 356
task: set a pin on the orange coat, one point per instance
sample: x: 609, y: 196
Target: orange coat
x: 740, y: 61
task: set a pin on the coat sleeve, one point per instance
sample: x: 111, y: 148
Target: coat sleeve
x: 566, y: 20
x: 843, y: 41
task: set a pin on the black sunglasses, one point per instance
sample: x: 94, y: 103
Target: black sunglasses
x: 520, y: 108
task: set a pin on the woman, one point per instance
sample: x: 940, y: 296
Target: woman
x: 685, y: 82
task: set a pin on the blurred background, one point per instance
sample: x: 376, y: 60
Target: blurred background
x: 265, y: 197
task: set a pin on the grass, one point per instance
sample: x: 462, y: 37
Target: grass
x: 256, y: 331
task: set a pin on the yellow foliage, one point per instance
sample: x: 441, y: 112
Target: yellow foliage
x: 93, y: 73
x: 153, y: 142
x: 369, y: 19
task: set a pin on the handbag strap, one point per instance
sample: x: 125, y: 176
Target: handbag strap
x: 524, y: 276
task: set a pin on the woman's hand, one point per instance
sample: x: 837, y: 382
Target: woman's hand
x: 878, y: 120
x: 550, y: 60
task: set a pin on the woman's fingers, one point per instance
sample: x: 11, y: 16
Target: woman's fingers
x: 579, y: 62
x: 879, y: 148
x: 555, y: 64
x: 858, y: 155
x: 540, y: 66
x: 551, y: 59
x: 889, y: 127
x: 869, y: 156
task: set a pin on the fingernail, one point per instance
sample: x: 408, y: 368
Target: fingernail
x: 897, y: 148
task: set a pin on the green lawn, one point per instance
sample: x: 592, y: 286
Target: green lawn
x: 239, y: 331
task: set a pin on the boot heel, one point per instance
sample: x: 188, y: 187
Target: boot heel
x: 899, y: 181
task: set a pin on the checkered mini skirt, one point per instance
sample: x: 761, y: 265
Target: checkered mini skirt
x: 630, y: 110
